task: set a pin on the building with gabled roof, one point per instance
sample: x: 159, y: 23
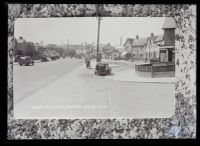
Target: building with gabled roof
x: 138, y: 48
x: 128, y: 44
x: 161, y: 52
x: 20, y: 47
x: 169, y: 23
x: 152, y: 48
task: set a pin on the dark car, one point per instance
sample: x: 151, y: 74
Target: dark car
x: 53, y: 57
x: 102, y: 69
x: 57, y: 56
x: 44, y: 59
x: 26, y: 60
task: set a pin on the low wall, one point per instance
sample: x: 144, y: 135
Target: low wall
x: 155, y: 71
x: 163, y: 74
x: 143, y: 74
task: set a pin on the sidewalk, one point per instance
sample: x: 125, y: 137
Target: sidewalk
x: 114, y: 64
x: 130, y: 76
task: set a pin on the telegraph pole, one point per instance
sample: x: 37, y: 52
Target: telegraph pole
x: 68, y: 44
x: 98, y: 34
x: 99, y: 8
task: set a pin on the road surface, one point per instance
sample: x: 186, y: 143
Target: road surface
x: 29, y: 79
x: 81, y: 94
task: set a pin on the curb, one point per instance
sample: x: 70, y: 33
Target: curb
x: 140, y: 81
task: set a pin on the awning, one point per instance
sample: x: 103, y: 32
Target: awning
x: 124, y: 53
x: 166, y: 47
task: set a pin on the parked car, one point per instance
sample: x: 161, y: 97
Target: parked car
x: 64, y: 56
x: 118, y: 58
x: 53, y: 57
x: 57, y: 56
x: 44, y: 59
x: 78, y: 57
x: 102, y: 69
x: 25, y: 60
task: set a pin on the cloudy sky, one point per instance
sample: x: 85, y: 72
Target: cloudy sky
x: 84, y: 29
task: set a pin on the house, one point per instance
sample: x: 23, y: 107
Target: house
x: 167, y: 48
x: 128, y: 44
x: 20, y: 47
x: 30, y: 48
x: 138, y: 48
x: 119, y: 48
x: 152, y: 47
x: 161, y: 47
x: 107, y: 51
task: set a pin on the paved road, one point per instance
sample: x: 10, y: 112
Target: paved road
x: 29, y: 79
x: 81, y: 94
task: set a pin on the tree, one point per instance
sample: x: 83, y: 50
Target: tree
x: 71, y: 52
x: 128, y: 56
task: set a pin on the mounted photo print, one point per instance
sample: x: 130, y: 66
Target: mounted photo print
x: 101, y: 71
x: 94, y: 67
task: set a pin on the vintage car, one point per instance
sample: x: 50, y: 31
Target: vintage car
x: 44, y: 58
x: 53, y: 57
x: 25, y: 60
x: 102, y: 69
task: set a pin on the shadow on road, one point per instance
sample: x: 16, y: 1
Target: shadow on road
x: 112, y: 74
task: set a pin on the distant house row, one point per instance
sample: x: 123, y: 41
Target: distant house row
x: 160, y: 47
x: 23, y: 47
x: 26, y: 48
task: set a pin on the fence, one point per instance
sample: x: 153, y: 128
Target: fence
x: 157, y: 68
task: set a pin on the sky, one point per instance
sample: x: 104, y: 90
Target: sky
x: 84, y: 29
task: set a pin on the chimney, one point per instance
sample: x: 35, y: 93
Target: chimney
x: 152, y: 34
x: 120, y: 41
x: 20, y: 37
x: 137, y: 37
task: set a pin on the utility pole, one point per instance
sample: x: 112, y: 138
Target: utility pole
x: 68, y: 44
x: 98, y: 34
x: 99, y: 8
x: 27, y: 49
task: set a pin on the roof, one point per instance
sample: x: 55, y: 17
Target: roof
x: 124, y: 53
x: 139, y: 42
x: 130, y: 40
x: 159, y: 38
x: 24, y: 57
x: 169, y: 23
x: 166, y: 47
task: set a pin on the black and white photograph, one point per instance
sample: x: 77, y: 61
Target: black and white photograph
x: 94, y: 67
x: 101, y: 71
